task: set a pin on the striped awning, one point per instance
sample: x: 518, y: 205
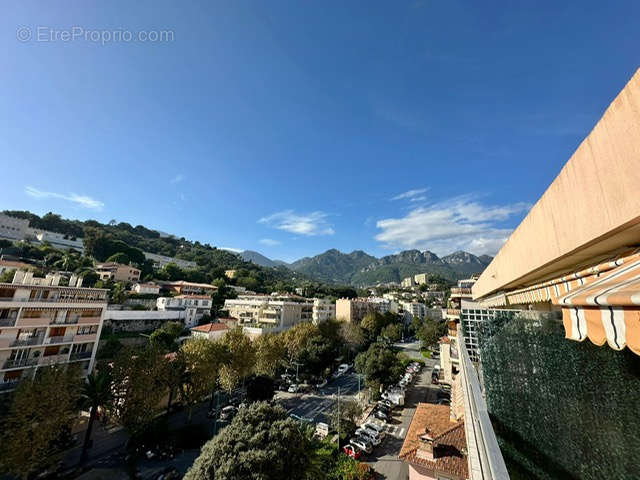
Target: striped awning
x: 601, y: 303
x: 607, y: 309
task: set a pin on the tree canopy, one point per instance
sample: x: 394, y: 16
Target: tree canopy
x: 261, y: 443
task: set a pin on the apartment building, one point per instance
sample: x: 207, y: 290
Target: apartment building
x: 44, y: 323
x: 323, y: 310
x: 193, y: 306
x: 354, y: 309
x: 146, y: 288
x: 12, y: 228
x: 160, y: 261
x: 183, y: 287
x: 408, y: 282
x: 268, y: 314
x: 117, y: 272
x: 414, y: 309
x: 57, y: 240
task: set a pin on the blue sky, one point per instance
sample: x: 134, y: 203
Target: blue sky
x: 294, y: 127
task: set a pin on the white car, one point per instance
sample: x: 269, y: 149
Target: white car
x: 293, y: 388
x: 374, y: 426
x: 343, y: 368
x: 369, y: 435
x: 361, y: 444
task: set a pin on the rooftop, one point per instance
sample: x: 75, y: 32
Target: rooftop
x: 448, y: 439
x: 210, y: 327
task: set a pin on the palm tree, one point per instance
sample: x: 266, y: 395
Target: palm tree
x: 96, y: 393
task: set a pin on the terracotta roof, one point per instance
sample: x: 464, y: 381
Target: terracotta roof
x: 210, y: 327
x: 448, y: 437
x: 201, y: 297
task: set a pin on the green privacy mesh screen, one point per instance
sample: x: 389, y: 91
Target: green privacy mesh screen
x: 560, y: 409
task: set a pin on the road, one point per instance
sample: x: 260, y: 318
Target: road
x: 384, y: 459
x: 317, y: 405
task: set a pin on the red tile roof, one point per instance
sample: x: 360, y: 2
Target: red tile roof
x: 201, y: 297
x: 210, y: 327
x: 448, y: 438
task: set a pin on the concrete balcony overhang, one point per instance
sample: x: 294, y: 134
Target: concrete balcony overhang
x: 589, y: 211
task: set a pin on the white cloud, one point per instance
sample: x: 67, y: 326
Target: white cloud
x: 415, y: 195
x: 269, y: 242
x: 314, y: 223
x: 178, y: 178
x: 456, y: 224
x: 82, y: 200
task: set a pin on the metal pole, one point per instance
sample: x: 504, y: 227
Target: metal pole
x: 338, y: 419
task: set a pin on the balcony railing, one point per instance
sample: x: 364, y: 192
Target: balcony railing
x: 22, y: 362
x: 65, y: 321
x: 23, y: 342
x: 7, y: 322
x: 53, y: 359
x: 454, y: 312
x: 80, y: 355
x: 59, y: 339
x: 6, y: 386
x: 460, y: 291
x: 53, y: 300
x: 485, y: 457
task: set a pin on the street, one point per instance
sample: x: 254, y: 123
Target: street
x: 384, y: 458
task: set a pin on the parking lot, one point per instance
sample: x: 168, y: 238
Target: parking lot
x: 317, y: 405
x: 384, y: 458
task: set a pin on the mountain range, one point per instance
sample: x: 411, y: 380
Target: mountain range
x: 359, y: 268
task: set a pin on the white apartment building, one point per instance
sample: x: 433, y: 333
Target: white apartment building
x: 413, y: 309
x: 160, y: 261
x: 12, y: 228
x: 194, y: 307
x: 323, y: 310
x: 266, y: 314
x: 44, y: 323
x: 57, y: 240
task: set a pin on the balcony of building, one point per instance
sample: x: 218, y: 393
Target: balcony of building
x: 85, y: 337
x: 460, y: 292
x: 59, y: 339
x: 20, y: 363
x: 53, y: 359
x: 80, y: 356
x: 485, y: 458
x: 27, y: 341
x: 7, y: 322
x: 33, y: 321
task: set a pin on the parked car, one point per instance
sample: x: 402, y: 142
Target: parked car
x: 361, y: 444
x: 380, y: 415
x: 228, y: 412
x: 369, y: 435
x: 322, y: 384
x: 343, y: 368
x: 386, y: 403
x: 293, y: 388
x: 376, y: 427
x: 352, y: 451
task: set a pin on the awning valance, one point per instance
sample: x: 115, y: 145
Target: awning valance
x: 601, y: 303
